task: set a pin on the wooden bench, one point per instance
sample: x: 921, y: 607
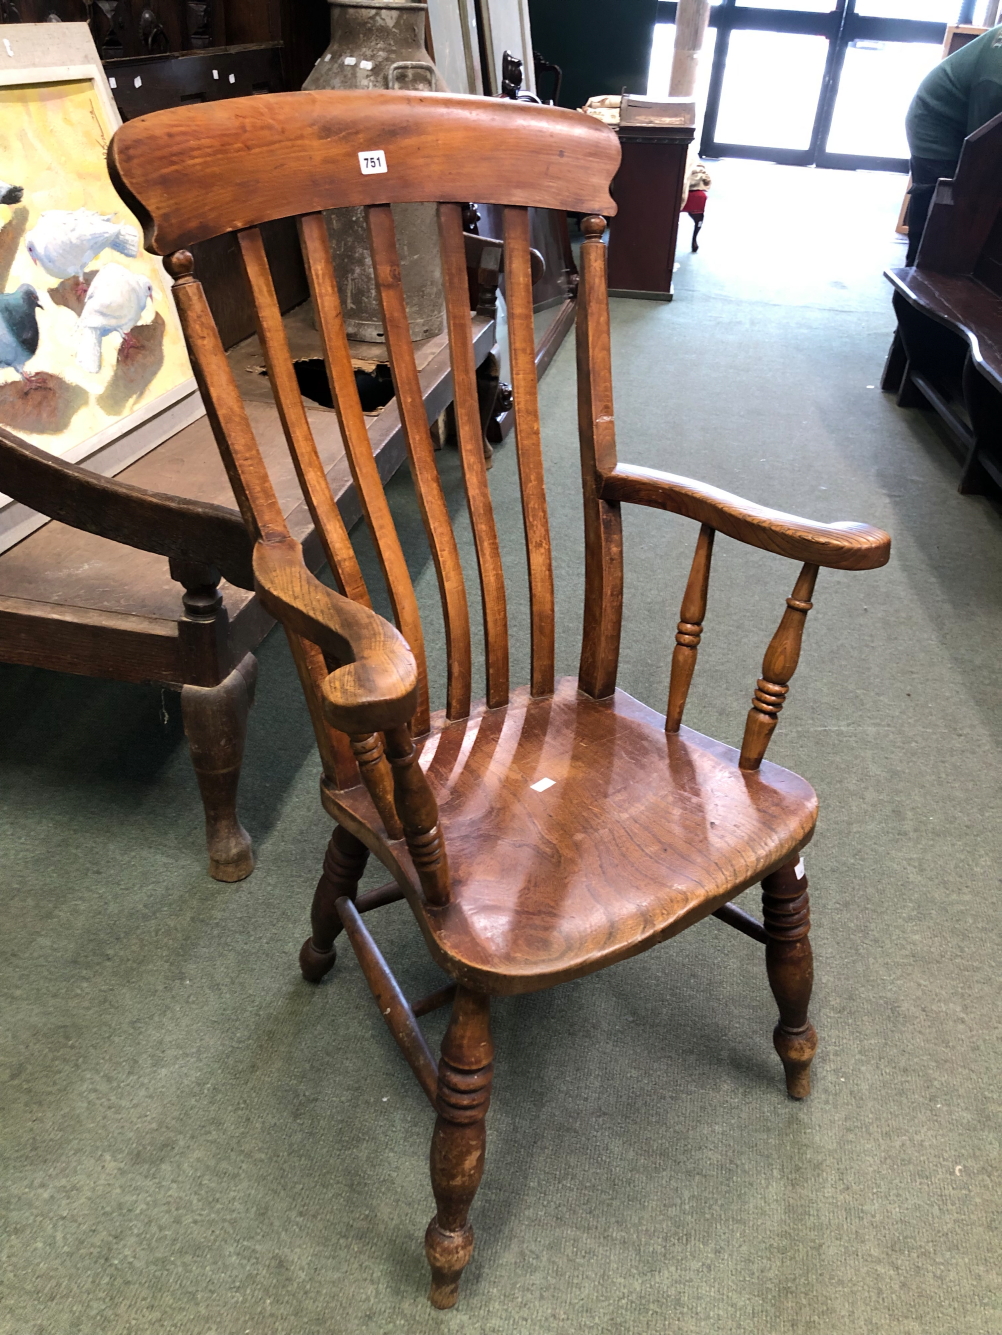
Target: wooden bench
x: 947, y: 349
x: 146, y: 578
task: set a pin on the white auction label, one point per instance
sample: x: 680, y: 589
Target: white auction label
x: 372, y: 162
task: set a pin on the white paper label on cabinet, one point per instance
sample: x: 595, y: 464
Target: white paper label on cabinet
x: 137, y: 82
x: 372, y: 162
x: 233, y: 78
x: 541, y: 785
x: 365, y: 64
x: 112, y: 83
x: 215, y: 74
x: 350, y: 60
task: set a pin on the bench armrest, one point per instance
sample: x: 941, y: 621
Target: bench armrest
x: 171, y: 526
x: 843, y: 546
x: 374, y: 686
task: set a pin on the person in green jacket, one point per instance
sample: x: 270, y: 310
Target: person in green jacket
x: 956, y: 97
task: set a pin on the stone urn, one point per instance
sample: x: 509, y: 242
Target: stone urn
x: 380, y: 44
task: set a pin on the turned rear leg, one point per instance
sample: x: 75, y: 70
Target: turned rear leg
x: 457, y: 1147
x: 788, y: 962
x: 344, y: 863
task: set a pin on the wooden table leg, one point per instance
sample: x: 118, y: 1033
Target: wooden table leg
x: 215, y: 722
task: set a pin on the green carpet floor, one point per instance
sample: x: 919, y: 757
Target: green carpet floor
x: 194, y: 1141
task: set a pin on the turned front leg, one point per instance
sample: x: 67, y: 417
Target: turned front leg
x: 215, y: 723
x: 344, y: 863
x: 789, y: 964
x: 457, y: 1147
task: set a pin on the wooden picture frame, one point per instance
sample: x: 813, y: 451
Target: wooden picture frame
x: 58, y: 114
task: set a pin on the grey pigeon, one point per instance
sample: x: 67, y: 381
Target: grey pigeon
x: 19, y: 328
x: 10, y: 194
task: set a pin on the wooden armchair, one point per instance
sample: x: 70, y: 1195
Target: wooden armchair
x: 541, y: 832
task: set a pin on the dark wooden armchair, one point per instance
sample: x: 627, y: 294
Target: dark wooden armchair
x: 541, y: 832
x: 194, y: 652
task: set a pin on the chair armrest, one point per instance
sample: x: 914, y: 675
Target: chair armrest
x: 844, y: 545
x: 375, y: 685
x: 171, y: 526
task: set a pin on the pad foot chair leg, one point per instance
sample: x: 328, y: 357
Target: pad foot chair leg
x: 344, y: 863
x: 788, y: 962
x: 457, y: 1147
x: 215, y: 723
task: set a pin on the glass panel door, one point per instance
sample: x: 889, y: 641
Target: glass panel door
x: 877, y: 83
x: 771, y: 88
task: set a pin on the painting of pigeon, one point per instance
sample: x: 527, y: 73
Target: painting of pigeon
x: 11, y: 194
x: 64, y: 243
x: 115, y: 301
x: 19, y: 329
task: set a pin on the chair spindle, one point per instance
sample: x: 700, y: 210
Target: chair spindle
x: 778, y: 667
x: 690, y: 629
x: 378, y: 778
x: 471, y: 451
x: 424, y: 472
x: 312, y: 479
x: 364, y: 470
x: 418, y: 812
x: 603, y: 612
x: 528, y: 445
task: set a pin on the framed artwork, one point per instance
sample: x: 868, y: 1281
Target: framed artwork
x: 93, y: 366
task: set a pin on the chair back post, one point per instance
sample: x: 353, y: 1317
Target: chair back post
x: 603, y: 608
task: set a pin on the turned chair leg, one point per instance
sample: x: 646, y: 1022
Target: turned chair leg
x: 788, y: 962
x: 344, y: 863
x: 215, y: 722
x: 457, y: 1147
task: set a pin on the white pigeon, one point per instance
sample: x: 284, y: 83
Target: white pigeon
x: 115, y: 300
x: 64, y: 243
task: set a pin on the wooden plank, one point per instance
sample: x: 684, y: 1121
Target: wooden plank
x: 528, y: 444
x: 90, y: 641
x: 471, y: 450
x: 427, y: 485
x: 326, y: 517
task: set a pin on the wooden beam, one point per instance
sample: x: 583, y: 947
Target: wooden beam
x: 392, y: 1003
x: 690, y: 29
x: 744, y: 922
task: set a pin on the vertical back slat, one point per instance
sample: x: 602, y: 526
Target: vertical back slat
x: 427, y: 485
x: 471, y: 450
x: 603, y: 610
x: 364, y: 471
x: 310, y: 471
x: 248, y: 474
x: 522, y: 351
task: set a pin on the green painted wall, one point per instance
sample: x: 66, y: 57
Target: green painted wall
x: 603, y: 46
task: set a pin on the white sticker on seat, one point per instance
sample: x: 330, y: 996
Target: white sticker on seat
x: 372, y: 162
x: 541, y: 785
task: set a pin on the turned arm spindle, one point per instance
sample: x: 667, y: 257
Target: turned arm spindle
x: 418, y: 812
x: 778, y: 667
x: 690, y: 629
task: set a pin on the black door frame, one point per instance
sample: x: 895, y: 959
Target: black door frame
x: 840, y: 26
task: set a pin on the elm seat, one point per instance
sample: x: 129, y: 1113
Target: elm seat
x: 640, y: 836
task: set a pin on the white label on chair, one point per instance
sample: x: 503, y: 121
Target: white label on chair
x: 798, y: 870
x: 365, y: 64
x: 372, y: 162
x: 350, y: 60
x: 541, y: 785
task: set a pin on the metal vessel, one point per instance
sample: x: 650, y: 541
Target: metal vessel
x: 380, y: 44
